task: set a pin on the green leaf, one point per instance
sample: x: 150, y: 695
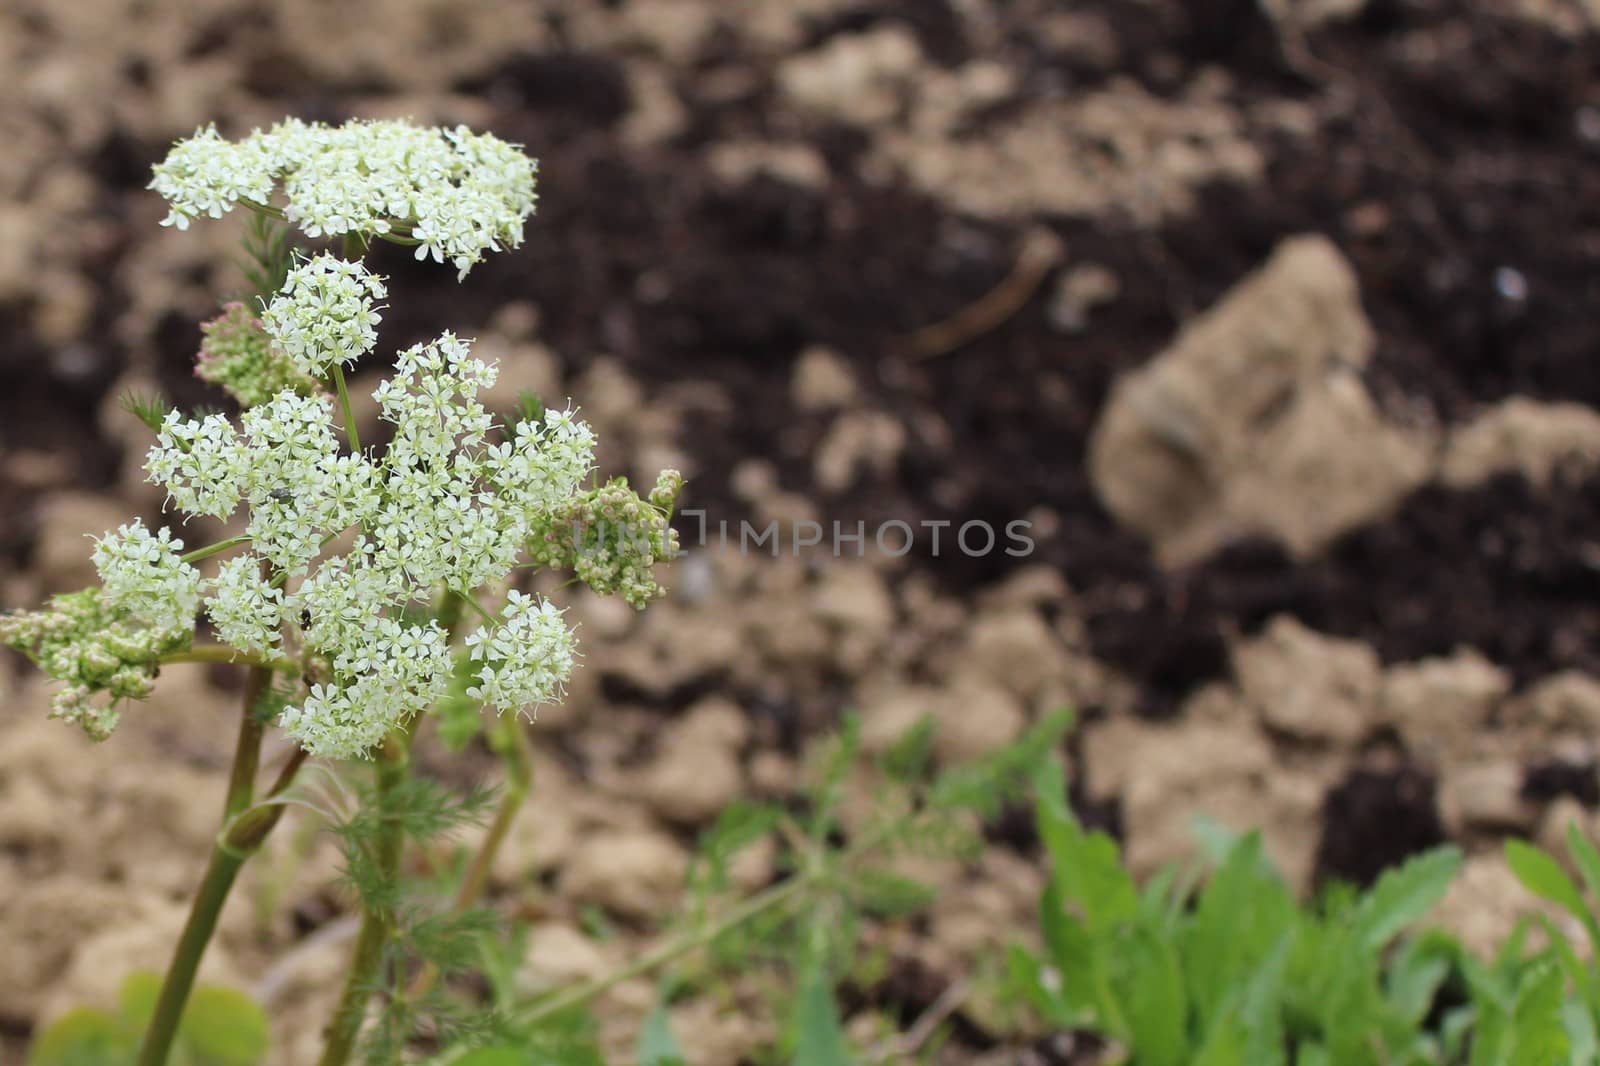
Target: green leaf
x: 1539, y: 1032
x: 1402, y: 896
x: 82, y: 1037
x: 1413, y: 980
x: 819, y: 1033
x: 911, y: 755
x: 136, y: 999
x: 1543, y: 876
x: 1152, y: 997
x: 890, y: 895
x: 657, y: 1046
x: 1086, y: 866
x: 494, y: 1056
x: 224, y: 1027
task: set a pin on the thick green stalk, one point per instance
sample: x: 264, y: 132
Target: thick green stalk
x: 221, y: 871
x: 376, y: 924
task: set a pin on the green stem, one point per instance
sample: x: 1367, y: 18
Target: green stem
x: 344, y: 404
x: 578, y: 995
x: 376, y: 923
x: 215, y: 549
x: 517, y: 753
x: 203, y: 913
x: 221, y: 653
x: 227, y: 857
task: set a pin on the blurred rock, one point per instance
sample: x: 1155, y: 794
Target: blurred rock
x: 857, y: 442
x: 1521, y: 435
x: 1439, y: 705
x: 1309, y: 685
x: 1254, y: 422
x: 696, y: 771
x: 637, y: 873
x: 67, y: 522
x: 1484, y: 796
x: 822, y: 379
x: 858, y: 78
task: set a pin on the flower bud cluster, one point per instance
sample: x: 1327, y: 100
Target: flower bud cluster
x: 97, y: 649
x: 237, y: 355
x: 612, y: 539
x: 452, y: 193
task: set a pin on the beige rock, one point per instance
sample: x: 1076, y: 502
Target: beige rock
x: 558, y: 956
x: 1309, y: 685
x: 635, y: 872
x: 1485, y: 902
x: 736, y: 162
x: 1080, y: 291
x: 1569, y: 700
x: 1253, y: 423
x: 858, y: 78
x: 974, y: 719
x: 67, y: 521
x: 1557, y: 820
x: 887, y: 719
x: 1485, y: 795
x: 854, y: 597
x: 1440, y: 704
x: 1522, y: 435
x: 696, y: 771
x: 857, y: 442
x: 822, y: 379
x: 1014, y: 649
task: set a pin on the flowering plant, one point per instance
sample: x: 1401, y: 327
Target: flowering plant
x: 361, y: 586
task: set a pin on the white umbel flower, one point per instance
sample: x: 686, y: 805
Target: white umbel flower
x: 325, y: 314
x: 201, y: 462
x: 143, y: 575
x: 452, y: 193
x: 394, y: 672
x: 526, y: 659
x: 247, y: 611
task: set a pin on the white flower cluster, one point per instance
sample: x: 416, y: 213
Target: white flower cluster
x: 324, y: 314
x: 526, y: 659
x: 444, y: 507
x: 144, y: 576
x: 453, y: 193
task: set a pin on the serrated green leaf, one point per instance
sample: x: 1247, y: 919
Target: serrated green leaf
x: 1403, y: 896
x: 1413, y: 981
x: 224, y: 1027
x: 885, y: 894
x: 819, y: 1033
x: 1085, y: 865
x: 1539, y: 1032
x: 1543, y: 876
x: 1151, y: 995
x: 657, y: 1046
x: 82, y: 1037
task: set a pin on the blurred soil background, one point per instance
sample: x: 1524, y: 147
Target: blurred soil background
x: 1275, y: 318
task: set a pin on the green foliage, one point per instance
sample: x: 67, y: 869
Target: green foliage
x: 1236, y: 972
x: 269, y: 253
x: 220, y: 1027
